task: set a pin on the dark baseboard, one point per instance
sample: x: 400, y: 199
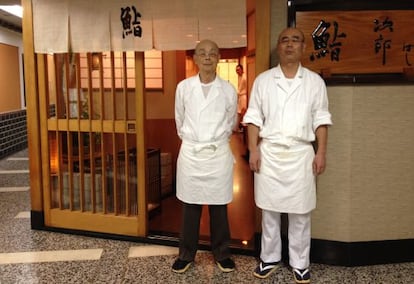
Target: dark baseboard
x: 353, y: 253
x: 362, y: 253
x: 322, y: 251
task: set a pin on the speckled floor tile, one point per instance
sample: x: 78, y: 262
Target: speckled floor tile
x: 14, y: 163
x: 11, y: 180
x: 51, y: 272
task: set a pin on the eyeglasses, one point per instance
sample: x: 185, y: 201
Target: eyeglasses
x: 204, y: 55
x: 294, y: 40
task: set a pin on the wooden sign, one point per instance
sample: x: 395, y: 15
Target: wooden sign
x: 358, y: 42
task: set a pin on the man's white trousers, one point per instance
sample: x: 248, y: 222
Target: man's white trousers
x: 299, y: 234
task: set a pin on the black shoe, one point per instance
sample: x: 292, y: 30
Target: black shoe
x: 263, y: 270
x: 181, y: 266
x: 301, y: 275
x: 226, y: 265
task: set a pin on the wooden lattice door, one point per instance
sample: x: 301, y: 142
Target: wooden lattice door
x: 93, y: 147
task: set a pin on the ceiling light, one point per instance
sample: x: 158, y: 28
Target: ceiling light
x: 16, y: 10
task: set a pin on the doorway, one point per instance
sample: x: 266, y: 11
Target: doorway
x: 166, y: 224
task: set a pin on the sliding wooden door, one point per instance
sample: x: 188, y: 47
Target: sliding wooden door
x: 92, y: 140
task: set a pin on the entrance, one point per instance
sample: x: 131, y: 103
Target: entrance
x: 166, y: 224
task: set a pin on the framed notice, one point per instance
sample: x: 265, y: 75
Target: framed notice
x: 357, y: 45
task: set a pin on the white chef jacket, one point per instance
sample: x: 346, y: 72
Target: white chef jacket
x: 242, y: 93
x: 204, y: 124
x: 287, y: 116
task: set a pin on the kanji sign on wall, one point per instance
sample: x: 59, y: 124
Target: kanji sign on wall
x: 358, y: 42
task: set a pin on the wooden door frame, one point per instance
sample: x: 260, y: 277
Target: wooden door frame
x: 36, y: 86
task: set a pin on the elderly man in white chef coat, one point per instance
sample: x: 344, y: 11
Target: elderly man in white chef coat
x: 288, y: 110
x: 205, y: 114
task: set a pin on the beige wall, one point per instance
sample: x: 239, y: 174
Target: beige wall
x: 332, y: 218
x: 367, y: 192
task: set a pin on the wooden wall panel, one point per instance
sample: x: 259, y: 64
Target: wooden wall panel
x: 357, y: 41
x: 162, y: 134
x: 9, y: 78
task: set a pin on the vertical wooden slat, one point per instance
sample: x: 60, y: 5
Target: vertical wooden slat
x: 55, y: 79
x: 44, y: 114
x: 102, y: 148
x: 59, y: 136
x: 141, y: 145
x: 60, y: 104
x: 60, y: 112
x: 114, y: 140
x: 106, y: 186
x: 69, y: 137
x: 50, y: 178
x: 32, y: 111
x: 91, y: 157
x: 125, y: 136
x: 80, y: 151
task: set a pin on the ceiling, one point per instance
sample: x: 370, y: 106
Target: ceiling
x: 10, y: 21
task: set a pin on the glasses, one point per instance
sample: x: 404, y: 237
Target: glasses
x: 204, y: 55
x: 294, y: 40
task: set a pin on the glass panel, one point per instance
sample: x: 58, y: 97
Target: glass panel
x: 108, y: 106
x: 54, y: 170
x: 154, y: 179
x: 153, y: 83
x: 153, y: 69
x: 76, y: 174
x: 132, y: 173
x: 110, y: 165
x: 155, y: 63
x: 115, y: 173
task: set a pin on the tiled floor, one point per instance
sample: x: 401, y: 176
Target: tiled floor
x: 30, y: 256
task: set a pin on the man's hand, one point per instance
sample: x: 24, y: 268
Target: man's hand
x: 254, y: 161
x: 319, y: 164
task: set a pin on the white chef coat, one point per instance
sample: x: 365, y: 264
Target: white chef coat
x: 242, y: 93
x: 287, y: 116
x: 204, y: 124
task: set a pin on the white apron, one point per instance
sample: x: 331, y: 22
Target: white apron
x: 205, y: 173
x: 285, y: 182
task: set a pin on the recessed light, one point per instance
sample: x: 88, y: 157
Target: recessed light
x: 16, y: 10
